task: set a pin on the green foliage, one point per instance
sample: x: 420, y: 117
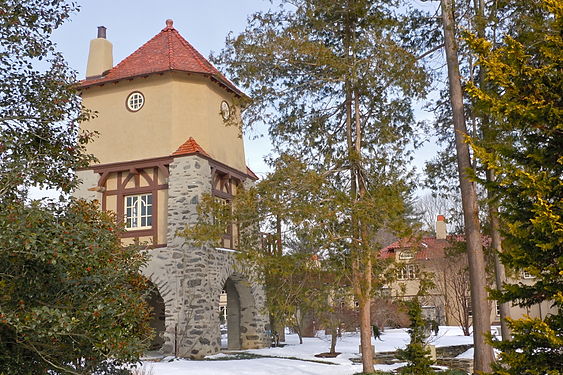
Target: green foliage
x: 335, y: 81
x: 416, y: 353
x: 535, y: 348
x: 39, y: 109
x: 71, y: 297
x: 524, y: 100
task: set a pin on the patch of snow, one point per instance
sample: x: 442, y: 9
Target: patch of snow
x: 468, y: 354
x: 304, y: 355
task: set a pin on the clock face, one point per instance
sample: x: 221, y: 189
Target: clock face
x: 225, y: 110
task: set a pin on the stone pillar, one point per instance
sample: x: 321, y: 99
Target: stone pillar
x: 194, y: 333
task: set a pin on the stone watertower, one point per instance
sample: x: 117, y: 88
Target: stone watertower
x: 163, y: 142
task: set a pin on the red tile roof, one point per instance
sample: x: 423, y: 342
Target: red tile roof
x: 251, y: 173
x: 424, y: 248
x: 427, y: 247
x: 166, y: 51
x: 190, y: 147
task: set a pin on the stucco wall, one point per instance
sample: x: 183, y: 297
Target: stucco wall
x: 177, y: 106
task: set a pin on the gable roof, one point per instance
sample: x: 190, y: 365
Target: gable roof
x: 423, y: 248
x: 190, y: 147
x: 166, y: 51
x: 426, y: 248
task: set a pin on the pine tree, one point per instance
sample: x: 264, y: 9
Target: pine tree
x: 416, y: 353
x: 524, y: 99
x: 334, y: 83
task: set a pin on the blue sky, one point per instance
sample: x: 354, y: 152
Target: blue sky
x: 205, y: 24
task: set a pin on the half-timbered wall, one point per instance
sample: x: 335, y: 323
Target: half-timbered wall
x: 136, y: 179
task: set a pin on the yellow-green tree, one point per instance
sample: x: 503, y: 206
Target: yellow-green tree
x: 523, y: 98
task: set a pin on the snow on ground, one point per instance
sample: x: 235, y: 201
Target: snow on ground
x: 223, y: 364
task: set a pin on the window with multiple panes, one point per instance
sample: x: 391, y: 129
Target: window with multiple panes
x: 406, y: 255
x: 407, y: 272
x: 138, y: 211
x: 135, y: 101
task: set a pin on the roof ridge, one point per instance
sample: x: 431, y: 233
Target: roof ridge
x: 169, y: 30
x: 190, y: 146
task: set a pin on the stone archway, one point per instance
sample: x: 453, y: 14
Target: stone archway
x: 241, y: 313
x: 158, y: 316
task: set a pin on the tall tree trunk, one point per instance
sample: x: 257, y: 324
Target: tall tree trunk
x: 496, y: 241
x: 333, y: 338
x: 364, y: 249
x: 481, y: 314
x: 500, y: 275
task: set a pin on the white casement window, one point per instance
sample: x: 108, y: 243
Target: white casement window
x: 407, y: 272
x: 138, y: 211
x: 406, y: 255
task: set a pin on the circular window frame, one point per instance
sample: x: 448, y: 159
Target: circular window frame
x: 225, y: 106
x: 129, y: 97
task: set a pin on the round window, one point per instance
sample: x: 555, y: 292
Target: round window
x: 135, y: 101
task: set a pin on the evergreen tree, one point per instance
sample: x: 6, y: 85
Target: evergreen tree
x: 416, y: 353
x: 524, y: 99
x: 334, y: 82
x: 71, y: 298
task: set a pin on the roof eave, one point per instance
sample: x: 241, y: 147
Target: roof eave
x: 84, y: 84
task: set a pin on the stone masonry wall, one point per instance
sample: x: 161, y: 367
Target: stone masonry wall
x: 190, y: 279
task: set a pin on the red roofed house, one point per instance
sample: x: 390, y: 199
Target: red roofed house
x: 449, y: 301
x: 162, y: 116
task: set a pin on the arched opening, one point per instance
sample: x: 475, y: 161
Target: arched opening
x: 158, y: 316
x: 237, y: 312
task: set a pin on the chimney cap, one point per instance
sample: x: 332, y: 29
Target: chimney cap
x: 102, y: 32
x: 441, y: 218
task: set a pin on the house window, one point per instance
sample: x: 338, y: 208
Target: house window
x: 138, y: 211
x: 406, y: 255
x: 527, y: 275
x: 135, y: 101
x: 497, y: 308
x: 407, y: 272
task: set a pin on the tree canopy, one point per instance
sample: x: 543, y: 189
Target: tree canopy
x: 334, y: 82
x: 40, y: 143
x: 71, y: 297
x: 524, y: 100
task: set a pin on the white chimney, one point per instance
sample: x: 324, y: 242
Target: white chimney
x: 441, y: 231
x: 100, y: 57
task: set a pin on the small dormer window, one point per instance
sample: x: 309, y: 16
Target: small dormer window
x: 135, y: 101
x: 406, y: 255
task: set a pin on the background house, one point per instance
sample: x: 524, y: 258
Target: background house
x: 442, y: 258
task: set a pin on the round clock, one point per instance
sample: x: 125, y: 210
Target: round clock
x: 225, y: 110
